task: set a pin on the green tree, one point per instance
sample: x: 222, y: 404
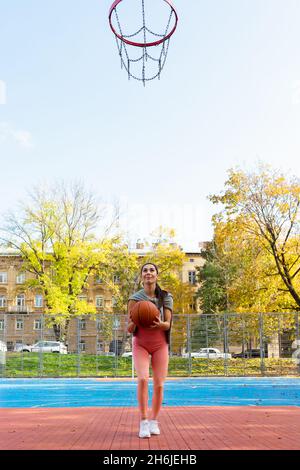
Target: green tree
x: 54, y: 233
x: 212, y: 278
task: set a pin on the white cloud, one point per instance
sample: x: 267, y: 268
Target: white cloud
x: 23, y: 138
x: 19, y: 136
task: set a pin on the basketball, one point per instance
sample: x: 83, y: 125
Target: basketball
x: 144, y: 313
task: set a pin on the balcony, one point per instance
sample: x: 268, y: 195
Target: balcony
x: 19, y: 309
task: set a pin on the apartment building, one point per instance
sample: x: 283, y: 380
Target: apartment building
x: 21, y: 309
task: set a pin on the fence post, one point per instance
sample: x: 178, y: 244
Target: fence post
x: 243, y: 345
x: 225, y: 345
x: 297, y: 342
x: 22, y: 354
x: 41, y: 357
x: 97, y: 336
x: 78, y: 346
x: 132, y: 359
x: 3, y: 353
x: 207, y: 340
x: 189, y: 344
x: 261, y: 344
x: 115, y: 325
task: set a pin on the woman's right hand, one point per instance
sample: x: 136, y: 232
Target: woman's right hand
x: 131, y: 325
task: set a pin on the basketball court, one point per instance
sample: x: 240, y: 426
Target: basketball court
x: 182, y: 428
x: 206, y: 414
x: 197, y: 414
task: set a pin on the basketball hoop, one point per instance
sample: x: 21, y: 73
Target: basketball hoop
x: 143, y: 53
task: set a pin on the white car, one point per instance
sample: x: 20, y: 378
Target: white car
x: 19, y: 347
x: 127, y: 354
x: 45, y: 347
x: 3, y: 349
x: 209, y: 353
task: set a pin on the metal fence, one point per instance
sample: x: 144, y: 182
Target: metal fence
x: 201, y: 345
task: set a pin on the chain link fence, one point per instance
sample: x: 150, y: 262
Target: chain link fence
x: 201, y: 345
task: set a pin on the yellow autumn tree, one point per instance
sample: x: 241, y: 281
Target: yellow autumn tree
x: 260, y: 222
x: 257, y: 241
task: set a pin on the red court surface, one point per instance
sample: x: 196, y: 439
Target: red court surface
x: 182, y: 428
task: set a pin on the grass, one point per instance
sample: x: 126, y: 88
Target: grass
x: 85, y: 365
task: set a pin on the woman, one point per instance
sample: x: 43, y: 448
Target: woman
x: 154, y: 342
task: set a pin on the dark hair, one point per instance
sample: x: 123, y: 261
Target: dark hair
x: 159, y: 292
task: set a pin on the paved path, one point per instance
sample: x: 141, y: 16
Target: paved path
x: 182, y: 428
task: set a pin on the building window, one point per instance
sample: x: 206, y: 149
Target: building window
x: 82, y: 298
x: 192, y: 277
x: 38, y: 300
x: 2, y: 301
x: 1, y: 325
x: 113, y: 301
x: 82, y: 324
x: 21, y: 300
x: 19, y: 324
x: 98, y: 280
x: 100, y: 346
x: 20, y: 278
x: 192, y: 260
x: 82, y: 346
x: 99, y: 324
x: 99, y: 301
x: 116, y: 279
x: 116, y: 324
x: 3, y: 278
x: 37, y: 324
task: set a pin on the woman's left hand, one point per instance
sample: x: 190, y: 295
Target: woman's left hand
x: 158, y: 325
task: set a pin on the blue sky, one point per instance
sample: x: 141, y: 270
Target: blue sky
x: 229, y: 96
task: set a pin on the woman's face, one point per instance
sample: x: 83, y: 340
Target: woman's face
x: 149, y: 274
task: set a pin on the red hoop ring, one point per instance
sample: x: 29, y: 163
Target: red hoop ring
x: 142, y: 44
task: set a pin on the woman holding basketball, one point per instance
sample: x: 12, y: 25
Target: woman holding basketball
x: 154, y: 342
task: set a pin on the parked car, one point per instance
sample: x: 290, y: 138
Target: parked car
x: 3, y: 349
x: 248, y: 354
x: 127, y: 354
x: 45, y: 347
x: 19, y: 347
x: 209, y: 353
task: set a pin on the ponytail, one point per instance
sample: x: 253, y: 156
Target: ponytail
x: 160, y: 294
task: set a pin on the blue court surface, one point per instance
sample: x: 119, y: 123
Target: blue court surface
x: 60, y: 393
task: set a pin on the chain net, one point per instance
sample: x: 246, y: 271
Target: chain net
x: 145, y: 62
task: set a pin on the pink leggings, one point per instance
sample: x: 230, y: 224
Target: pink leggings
x: 152, y: 343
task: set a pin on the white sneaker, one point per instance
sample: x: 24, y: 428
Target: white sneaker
x: 144, y: 429
x: 153, y: 425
